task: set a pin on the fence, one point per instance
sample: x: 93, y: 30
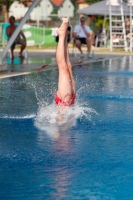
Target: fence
x: 35, y: 35
x: 1, y: 34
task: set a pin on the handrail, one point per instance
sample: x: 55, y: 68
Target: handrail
x: 18, y: 29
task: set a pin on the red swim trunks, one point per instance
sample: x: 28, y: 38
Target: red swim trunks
x: 60, y: 102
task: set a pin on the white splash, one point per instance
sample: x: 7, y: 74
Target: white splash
x: 18, y: 117
x: 51, y: 119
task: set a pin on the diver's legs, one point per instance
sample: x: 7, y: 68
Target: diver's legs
x: 67, y: 59
x: 64, y: 81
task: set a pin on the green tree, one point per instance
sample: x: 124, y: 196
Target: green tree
x: 74, y: 2
x: 91, y: 1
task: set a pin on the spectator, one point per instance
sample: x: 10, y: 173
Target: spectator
x: 68, y: 35
x: 98, y: 34
x: 116, y: 39
x: 127, y: 25
x: 20, y: 39
x: 91, y: 23
x: 81, y: 35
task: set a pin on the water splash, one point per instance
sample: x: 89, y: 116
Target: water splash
x: 50, y: 118
x: 30, y: 116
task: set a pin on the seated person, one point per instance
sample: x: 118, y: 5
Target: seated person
x: 91, y: 23
x: 22, y: 41
x: 81, y: 35
x: 127, y: 26
x: 98, y: 34
x: 68, y: 35
x: 116, y: 38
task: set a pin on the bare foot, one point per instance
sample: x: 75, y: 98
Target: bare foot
x: 21, y: 56
x: 12, y: 55
x: 62, y: 29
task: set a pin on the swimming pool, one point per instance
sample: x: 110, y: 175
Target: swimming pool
x: 89, y: 155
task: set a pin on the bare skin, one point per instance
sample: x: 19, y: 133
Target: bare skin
x: 66, y: 82
x: 10, y: 30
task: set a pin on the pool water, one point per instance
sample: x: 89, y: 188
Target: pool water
x: 87, y: 156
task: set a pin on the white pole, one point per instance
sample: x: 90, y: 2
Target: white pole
x: 110, y: 22
x: 18, y: 29
x: 130, y: 27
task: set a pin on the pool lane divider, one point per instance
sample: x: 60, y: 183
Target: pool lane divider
x: 42, y: 67
x: 75, y: 64
x: 78, y: 63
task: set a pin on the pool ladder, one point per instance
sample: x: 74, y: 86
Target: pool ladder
x: 117, y: 25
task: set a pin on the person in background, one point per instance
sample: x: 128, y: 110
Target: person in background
x: 97, y: 33
x: 92, y: 24
x: 20, y: 39
x: 82, y: 35
x: 127, y: 26
x: 68, y: 35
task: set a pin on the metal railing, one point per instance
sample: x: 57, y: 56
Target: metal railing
x: 1, y: 34
x: 35, y: 35
x: 16, y: 32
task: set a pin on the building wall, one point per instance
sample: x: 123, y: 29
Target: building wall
x: 42, y: 10
x: 67, y: 9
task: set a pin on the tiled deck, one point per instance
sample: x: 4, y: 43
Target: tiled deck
x: 40, y: 60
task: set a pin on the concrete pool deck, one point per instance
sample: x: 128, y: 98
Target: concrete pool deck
x: 43, y: 59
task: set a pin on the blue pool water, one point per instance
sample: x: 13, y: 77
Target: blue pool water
x: 89, y: 155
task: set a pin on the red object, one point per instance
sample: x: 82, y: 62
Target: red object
x: 60, y: 102
x: 42, y: 67
x: 57, y: 2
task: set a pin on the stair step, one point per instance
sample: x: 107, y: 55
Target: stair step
x: 118, y: 45
x: 117, y: 27
x: 117, y: 20
x: 121, y: 39
x: 118, y: 33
